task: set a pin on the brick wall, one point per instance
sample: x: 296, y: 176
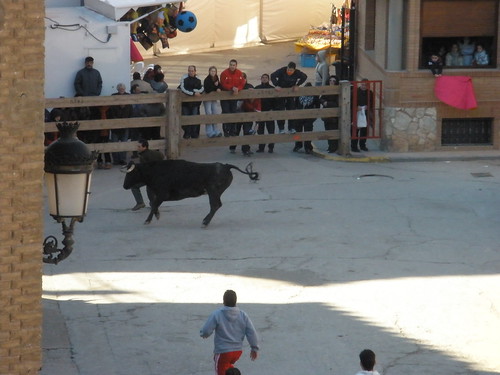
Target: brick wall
x: 21, y: 173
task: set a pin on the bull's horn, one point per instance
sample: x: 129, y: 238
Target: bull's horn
x: 131, y: 168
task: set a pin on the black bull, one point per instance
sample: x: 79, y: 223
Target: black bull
x: 173, y: 180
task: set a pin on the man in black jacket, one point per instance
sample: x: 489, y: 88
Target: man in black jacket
x: 191, y: 85
x: 286, y: 77
x: 266, y: 104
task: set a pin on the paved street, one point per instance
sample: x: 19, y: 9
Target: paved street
x: 327, y: 258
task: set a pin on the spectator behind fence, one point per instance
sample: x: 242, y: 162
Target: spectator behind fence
x: 331, y: 123
x: 211, y: 84
x: 367, y: 363
x: 266, y: 104
x: 322, y: 71
x: 120, y: 135
x: 144, y: 86
x: 191, y: 86
x: 158, y: 83
x: 306, y: 125
x: 287, y: 77
x: 246, y: 105
x: 231, y: 79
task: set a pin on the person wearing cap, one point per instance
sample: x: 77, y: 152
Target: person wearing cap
x: 88, y: 81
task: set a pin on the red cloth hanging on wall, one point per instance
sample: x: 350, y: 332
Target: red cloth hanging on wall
x: 456, y: 91
x: 135, y: 55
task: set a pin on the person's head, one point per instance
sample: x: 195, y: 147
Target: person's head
x: 333, y: 80
x: 233, y: 371
x: 367, y: 360
x: 244, y: 75
x: 136, y: 75
x: 157, y: 68
x: 434, y: 57
x: 191, y: 70
x: 142, y: 145
x: 212, y: 71
x: 479, y: 48
x: 290, y: 68
x: 364, y: 84
x: 233, y: 64
x: 89, y: 62
x: 135, y: 89
x: 121, y: 88
x: 229, y: 298
x: 159, y: 77
x: 150, y: 73
x: 264, y: 78
x: 454, y: 48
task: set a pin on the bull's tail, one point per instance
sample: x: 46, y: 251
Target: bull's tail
x: 254, y: 176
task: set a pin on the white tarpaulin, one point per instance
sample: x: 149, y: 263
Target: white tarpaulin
x: 226, y: 24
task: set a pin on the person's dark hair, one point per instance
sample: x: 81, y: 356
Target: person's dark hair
x: 291, y: 65
x: 143, y: 143
x: 159, y: 77
x: 156, y: 67
x: 89, y: 58
x: 367, y: 359
x: 265, y: 75
x: 336, y: 80
x: 233, y: 60
x: 233, y: 371
x: 229, y: 298
x: 136, y: 75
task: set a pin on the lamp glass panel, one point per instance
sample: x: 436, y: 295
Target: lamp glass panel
x: 67, y: 194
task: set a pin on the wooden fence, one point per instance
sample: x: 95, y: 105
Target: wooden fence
x: 172, y: 142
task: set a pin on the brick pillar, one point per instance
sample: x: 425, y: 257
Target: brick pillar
x: 21, y: 194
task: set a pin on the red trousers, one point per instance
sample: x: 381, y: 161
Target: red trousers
x: 223, y: 361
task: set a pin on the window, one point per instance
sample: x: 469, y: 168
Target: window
x: 466, y: 131
x: 459, y: 28
x: 370, y: 25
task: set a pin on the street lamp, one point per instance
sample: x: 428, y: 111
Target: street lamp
x: 68, y: 170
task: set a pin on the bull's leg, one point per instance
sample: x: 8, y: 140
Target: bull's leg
x: 155, y: 204
x: 215, y: 204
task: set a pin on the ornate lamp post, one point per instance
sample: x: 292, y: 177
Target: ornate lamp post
x: 68, y: 169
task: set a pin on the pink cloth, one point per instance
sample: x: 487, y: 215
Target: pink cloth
x: 456, y: 91
x: 135, y: 55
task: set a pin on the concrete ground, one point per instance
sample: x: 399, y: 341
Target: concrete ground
x: 328, y: 257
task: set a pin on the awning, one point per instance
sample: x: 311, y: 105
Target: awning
x: 116, y: 9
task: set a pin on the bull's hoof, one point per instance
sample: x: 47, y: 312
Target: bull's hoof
x: 157, y: 215
x: 205, y: 223
x: 147, y: 222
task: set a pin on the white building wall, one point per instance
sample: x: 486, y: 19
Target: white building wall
x: 85, y: 34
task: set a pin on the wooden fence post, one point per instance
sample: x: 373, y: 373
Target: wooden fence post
x: 173, y: 117
x: 345, y: 118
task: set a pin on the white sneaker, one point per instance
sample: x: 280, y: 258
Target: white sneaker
x: 282, y: 131
x: 292, y: 131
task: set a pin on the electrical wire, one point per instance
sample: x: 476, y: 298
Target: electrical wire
x: 75, y: 27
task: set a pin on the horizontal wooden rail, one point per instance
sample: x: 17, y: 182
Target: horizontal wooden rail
x: 173, y: 120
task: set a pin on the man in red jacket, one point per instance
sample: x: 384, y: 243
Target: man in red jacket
x: 232, y: 80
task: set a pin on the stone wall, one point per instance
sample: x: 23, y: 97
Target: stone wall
x: 21, y: 173
x: 409, y: 129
